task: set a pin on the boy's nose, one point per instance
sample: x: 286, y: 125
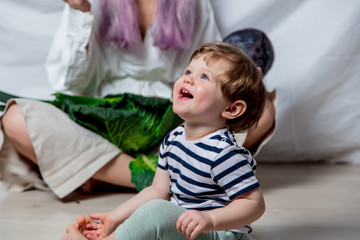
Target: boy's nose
x: 189, y: 80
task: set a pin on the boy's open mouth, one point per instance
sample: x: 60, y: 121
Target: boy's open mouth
x: 184, y: 93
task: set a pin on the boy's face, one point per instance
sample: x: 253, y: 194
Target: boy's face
x: 197, y: 97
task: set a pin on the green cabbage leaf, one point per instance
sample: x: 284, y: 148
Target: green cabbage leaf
x: 143, y: 170
x: 131, y: 122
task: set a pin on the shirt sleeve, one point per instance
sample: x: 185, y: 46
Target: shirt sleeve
x: 68, y: 63
x: 233, y: 171
x: 162, y: 162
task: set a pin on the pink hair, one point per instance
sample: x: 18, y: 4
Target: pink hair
x: 173, y: 26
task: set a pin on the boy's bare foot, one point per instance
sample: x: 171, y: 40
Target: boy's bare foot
x: 72, y: 233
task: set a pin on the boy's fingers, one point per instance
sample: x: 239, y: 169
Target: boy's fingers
x: 195, y: 232
x: 180, y: 221
x: 185, y: 225
x: 94, y: 225
x: 96, y: 216
x: 190, y: 229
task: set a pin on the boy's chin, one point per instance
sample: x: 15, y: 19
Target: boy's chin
x: 180, y: 112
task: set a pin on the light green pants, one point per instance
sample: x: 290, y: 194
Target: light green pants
x: 157, y: 219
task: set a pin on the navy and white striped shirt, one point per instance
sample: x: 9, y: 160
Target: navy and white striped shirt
x: 209, y: 173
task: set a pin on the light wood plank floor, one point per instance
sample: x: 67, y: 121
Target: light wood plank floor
x: 304, y: 201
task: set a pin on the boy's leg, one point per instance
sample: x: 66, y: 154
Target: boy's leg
x: 157, y: 220
x: 153, y: 220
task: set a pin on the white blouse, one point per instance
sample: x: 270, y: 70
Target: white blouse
x: 105, y: 69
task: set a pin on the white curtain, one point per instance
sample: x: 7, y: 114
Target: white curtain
x: 316, y: 73
x: 316, y: 70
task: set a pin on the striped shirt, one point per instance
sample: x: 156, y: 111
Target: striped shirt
x: 209, y: 173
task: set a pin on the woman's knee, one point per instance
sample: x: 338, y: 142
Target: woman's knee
x: 15, y: 129
x: 13, y: 121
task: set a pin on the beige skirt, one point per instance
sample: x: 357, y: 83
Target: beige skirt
x: 68, y: 154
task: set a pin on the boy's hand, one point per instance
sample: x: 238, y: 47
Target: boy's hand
x: 84, y: 226
x: 94, y: 231
x: 82, y: 5
x: 191, y: 223
x: 101, y: 225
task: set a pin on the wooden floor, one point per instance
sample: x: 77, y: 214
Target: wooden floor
x: 304, y: 201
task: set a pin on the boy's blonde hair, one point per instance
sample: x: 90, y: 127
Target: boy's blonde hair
x: 242, y: 82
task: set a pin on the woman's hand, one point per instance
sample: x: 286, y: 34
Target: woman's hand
x: 82, y: 5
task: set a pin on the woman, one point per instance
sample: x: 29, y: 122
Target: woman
x: 90, y: 58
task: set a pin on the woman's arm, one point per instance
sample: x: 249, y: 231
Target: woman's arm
x: 70, y: 65
x: 82, y: 5
x: 258, y: 133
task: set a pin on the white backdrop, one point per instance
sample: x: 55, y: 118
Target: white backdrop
x: 316, y: 70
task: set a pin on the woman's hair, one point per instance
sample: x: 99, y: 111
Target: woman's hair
x: 173, y: 26
x: 243, y: 81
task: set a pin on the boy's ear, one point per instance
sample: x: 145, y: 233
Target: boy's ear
x: 234, y: 110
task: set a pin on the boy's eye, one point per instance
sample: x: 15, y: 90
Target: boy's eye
x: 187, y: 72
x: 204, y: 77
